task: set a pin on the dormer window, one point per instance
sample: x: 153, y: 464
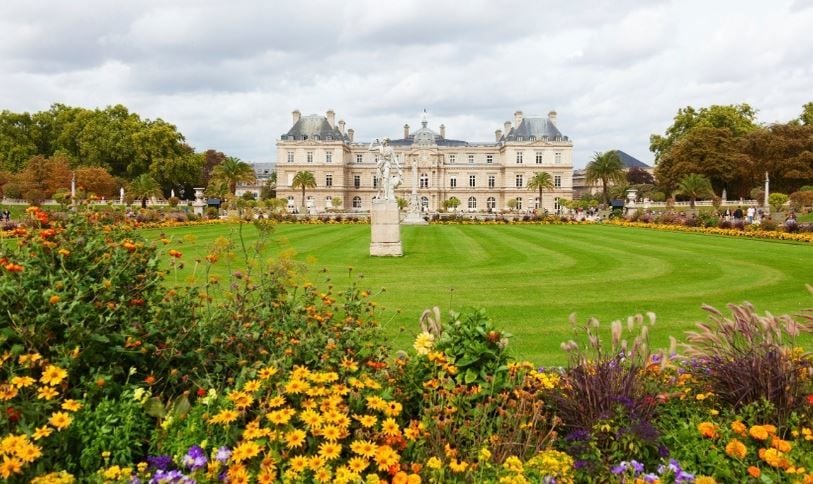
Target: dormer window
x: 519, y: 138
x: 316, y: 137
x: 329, y: 138
x: 304, y: 138
x: 532, y: 138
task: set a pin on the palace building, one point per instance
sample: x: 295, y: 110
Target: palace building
x: 483, y: 176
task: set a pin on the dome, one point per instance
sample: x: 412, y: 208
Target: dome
x: 424, y: 136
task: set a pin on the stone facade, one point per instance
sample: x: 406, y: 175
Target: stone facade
x: 482, y: 176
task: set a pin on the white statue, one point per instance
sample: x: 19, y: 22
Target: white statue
x: 389, y: 170
x: 121, y: 195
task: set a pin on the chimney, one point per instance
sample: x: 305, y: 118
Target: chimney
x: 331, y: 118
x: 406, y: 131
x: 552, y: 117
x: 498, y: 135
x: 296, y: 115
x: 443, y: 131
x: 350, y: 134
x: 506, y: 127
x: 341, y: 126
x: 517, y: 118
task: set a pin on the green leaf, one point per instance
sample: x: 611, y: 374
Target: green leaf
x: 470, y: 376
x: 154, y: 408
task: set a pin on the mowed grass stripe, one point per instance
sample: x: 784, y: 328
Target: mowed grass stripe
x: 531, y: 277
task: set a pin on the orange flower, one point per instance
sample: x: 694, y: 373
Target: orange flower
x: 739, y: 427
x: 53, y: 299
x: 754, y: 472
x: 150, y: 380
x: 736, y: 449
x: 758, y: 432
x: 12, y: 267
x: 174, y: 253
x: 707, y: 429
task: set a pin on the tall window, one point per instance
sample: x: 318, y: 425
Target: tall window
x: 556, y: 203
x: 375, y: 181
x: 538, y: 157
x: 328, y: 201
x: 356, y: 202
x: 491, y: 181
x: 491, y: 203
x: 472, y: 181
x: 471, y: 159
x: 519, y: 203
x: 452, y: 159
x: 356, y: 181
x: 489, y: 159
x: 329, y: 180
x: 424, y: 180
x: 557, y: 158
x: 425, y: 203
x: 310, y: 157
x: 519, y: 157
x: 359, y: 158
x: 329, y: 157
x: 557, y: 181
x: 290, y: 157
x: 472, y: 203
x: 453, y: 182
x: 519, y: 181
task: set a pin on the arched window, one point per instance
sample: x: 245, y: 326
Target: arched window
x: 290, y: 201
x: 356, y: 202
x: 491, y: 203
x: 472, y: 203
x: 424, y: 203
x: 424, y: 180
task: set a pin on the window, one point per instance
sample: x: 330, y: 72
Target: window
x: 329, y: 180
x: 290, y: 157
x: 491, y: 203
x: 328, y: 201
x: 309, y: 201
x: 557, y: 158
x: 310, y: 156
x: 471, y: 159
x: 425, y: 203
x: 489, y: 159
x: 519, y: 138
x: 491, y: 181
x: 519, y: 203
x: 557, y: 181
x: 356, y: 202
x: 329, y: 138
x: 359, y: 158
x: 424, y: 180
x: 519, y: 157
x: 538, y: 157
x: 532, y: 138
x: 291, y: 201
x: 375, y: 181
x: 451, y: 159
x: 329, y: 157
x: 356, y: 181
x: 519, y: 181
x: 375, y: 159
x: 453, y: 182
x: 472, y: 181
x: 537, y: 202
x: 472, y: 203
x: 556, y: 203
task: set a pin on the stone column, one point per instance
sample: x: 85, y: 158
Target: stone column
x: 385, y: 239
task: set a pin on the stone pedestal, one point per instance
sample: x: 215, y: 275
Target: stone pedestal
x: 199, y: 204
x: 385, y: 239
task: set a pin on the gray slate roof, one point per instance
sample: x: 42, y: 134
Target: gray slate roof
x: 314, y: 125
x: 425, y: 136
x: 536, y: 127
x: 629, y: 161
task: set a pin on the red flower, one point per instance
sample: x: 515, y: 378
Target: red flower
x: 149, y: 380
x: 201, y: 392
x: 810, y: 399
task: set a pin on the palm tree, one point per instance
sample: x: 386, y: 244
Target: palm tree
x: 233, y: 171
x: 144, y: 186
x: 541, y: 181
x: 303, y: 179
x: 694, y: 186
x: 604, y: 167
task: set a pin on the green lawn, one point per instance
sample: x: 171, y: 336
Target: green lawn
x: 529, y: 278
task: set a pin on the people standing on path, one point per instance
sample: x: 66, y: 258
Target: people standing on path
x: 750, y: 214
x: 738, y: 214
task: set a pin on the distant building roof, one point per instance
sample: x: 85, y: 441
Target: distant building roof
x: 426, y: 137
x: 533, y: 127
x: 630, y: 161
x: 263, y: 170
x: 313, y: 125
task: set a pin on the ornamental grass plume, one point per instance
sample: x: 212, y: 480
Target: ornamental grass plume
x: 748, y: 358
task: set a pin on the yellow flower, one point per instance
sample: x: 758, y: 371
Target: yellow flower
x: 349, y: 364
x: 330, y: 450
x: 390, y: 427
x: 386, y: 457
x: 434, y: 463
x: 252, y: 386
x: 275, y: 402
x: 7, y: 392
x: 224, y: 417
x: 424, y: 343
x: 294, y: 438
x: 705, y: 480
x: 279, y: 417
x: 22, y: 381
x: 366, y: 421
x: 41, y: 432
x: 53, y: 375
x: 240, y: 399
x: 484, y: 454
x: 331, y: 432
x: 513, y: 464
x: 364, y: 448
x: 245, y: 451
x: 71, y: 405
x: 311, y: 418
x: 10, y: 466
x: 458, y: 467
x: 46, y: 393
x: 297, y: 386
x: 60, y: 420
x: 29, y: 453
x: 357, y: 464
x: 736, y: 449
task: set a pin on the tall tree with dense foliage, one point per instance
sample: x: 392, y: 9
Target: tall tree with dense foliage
x: 541, y: 181
x: 784, y: 151
x: 42, y: 177
x: 143, y: 187
x: 806, y: 117
x: 605, y: 168
x: 303, y: 180
x: 639, y: 176
x: 96, y: 180
x: 695, y: 186
x: 233, y: 171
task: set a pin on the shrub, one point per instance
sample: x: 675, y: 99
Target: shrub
x: 748, y: 358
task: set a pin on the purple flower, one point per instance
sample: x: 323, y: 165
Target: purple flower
x: 580, y: 464
x: 195, y: 458
x: 620, y: 468
x: 578, y: 435
x: 651, y: 478
x: 167, y: 477
x: 637, y: 466
x: 223, y: 455
x: 160, y: 462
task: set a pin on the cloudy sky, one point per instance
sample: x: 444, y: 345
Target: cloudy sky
x: 228, y: 74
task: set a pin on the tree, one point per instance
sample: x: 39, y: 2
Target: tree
x: 143, y: 187
x: 452, y: 203
x: 737, y: 118
x: 807, y: 114
x: 785, y: 151
x: 42, y: 177
x: 233, y: 171
x: 639, y: 176
x: 211, y: 159
x: 96, y: 180
x: 180, y: 173
x: 541, y: 181
x: 604, y: 167
x: 777, y: 201
x: 695, y: 186
x: 303, y: 180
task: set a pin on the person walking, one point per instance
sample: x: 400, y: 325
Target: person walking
x: 738, y: 214
x: 750, y: 214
